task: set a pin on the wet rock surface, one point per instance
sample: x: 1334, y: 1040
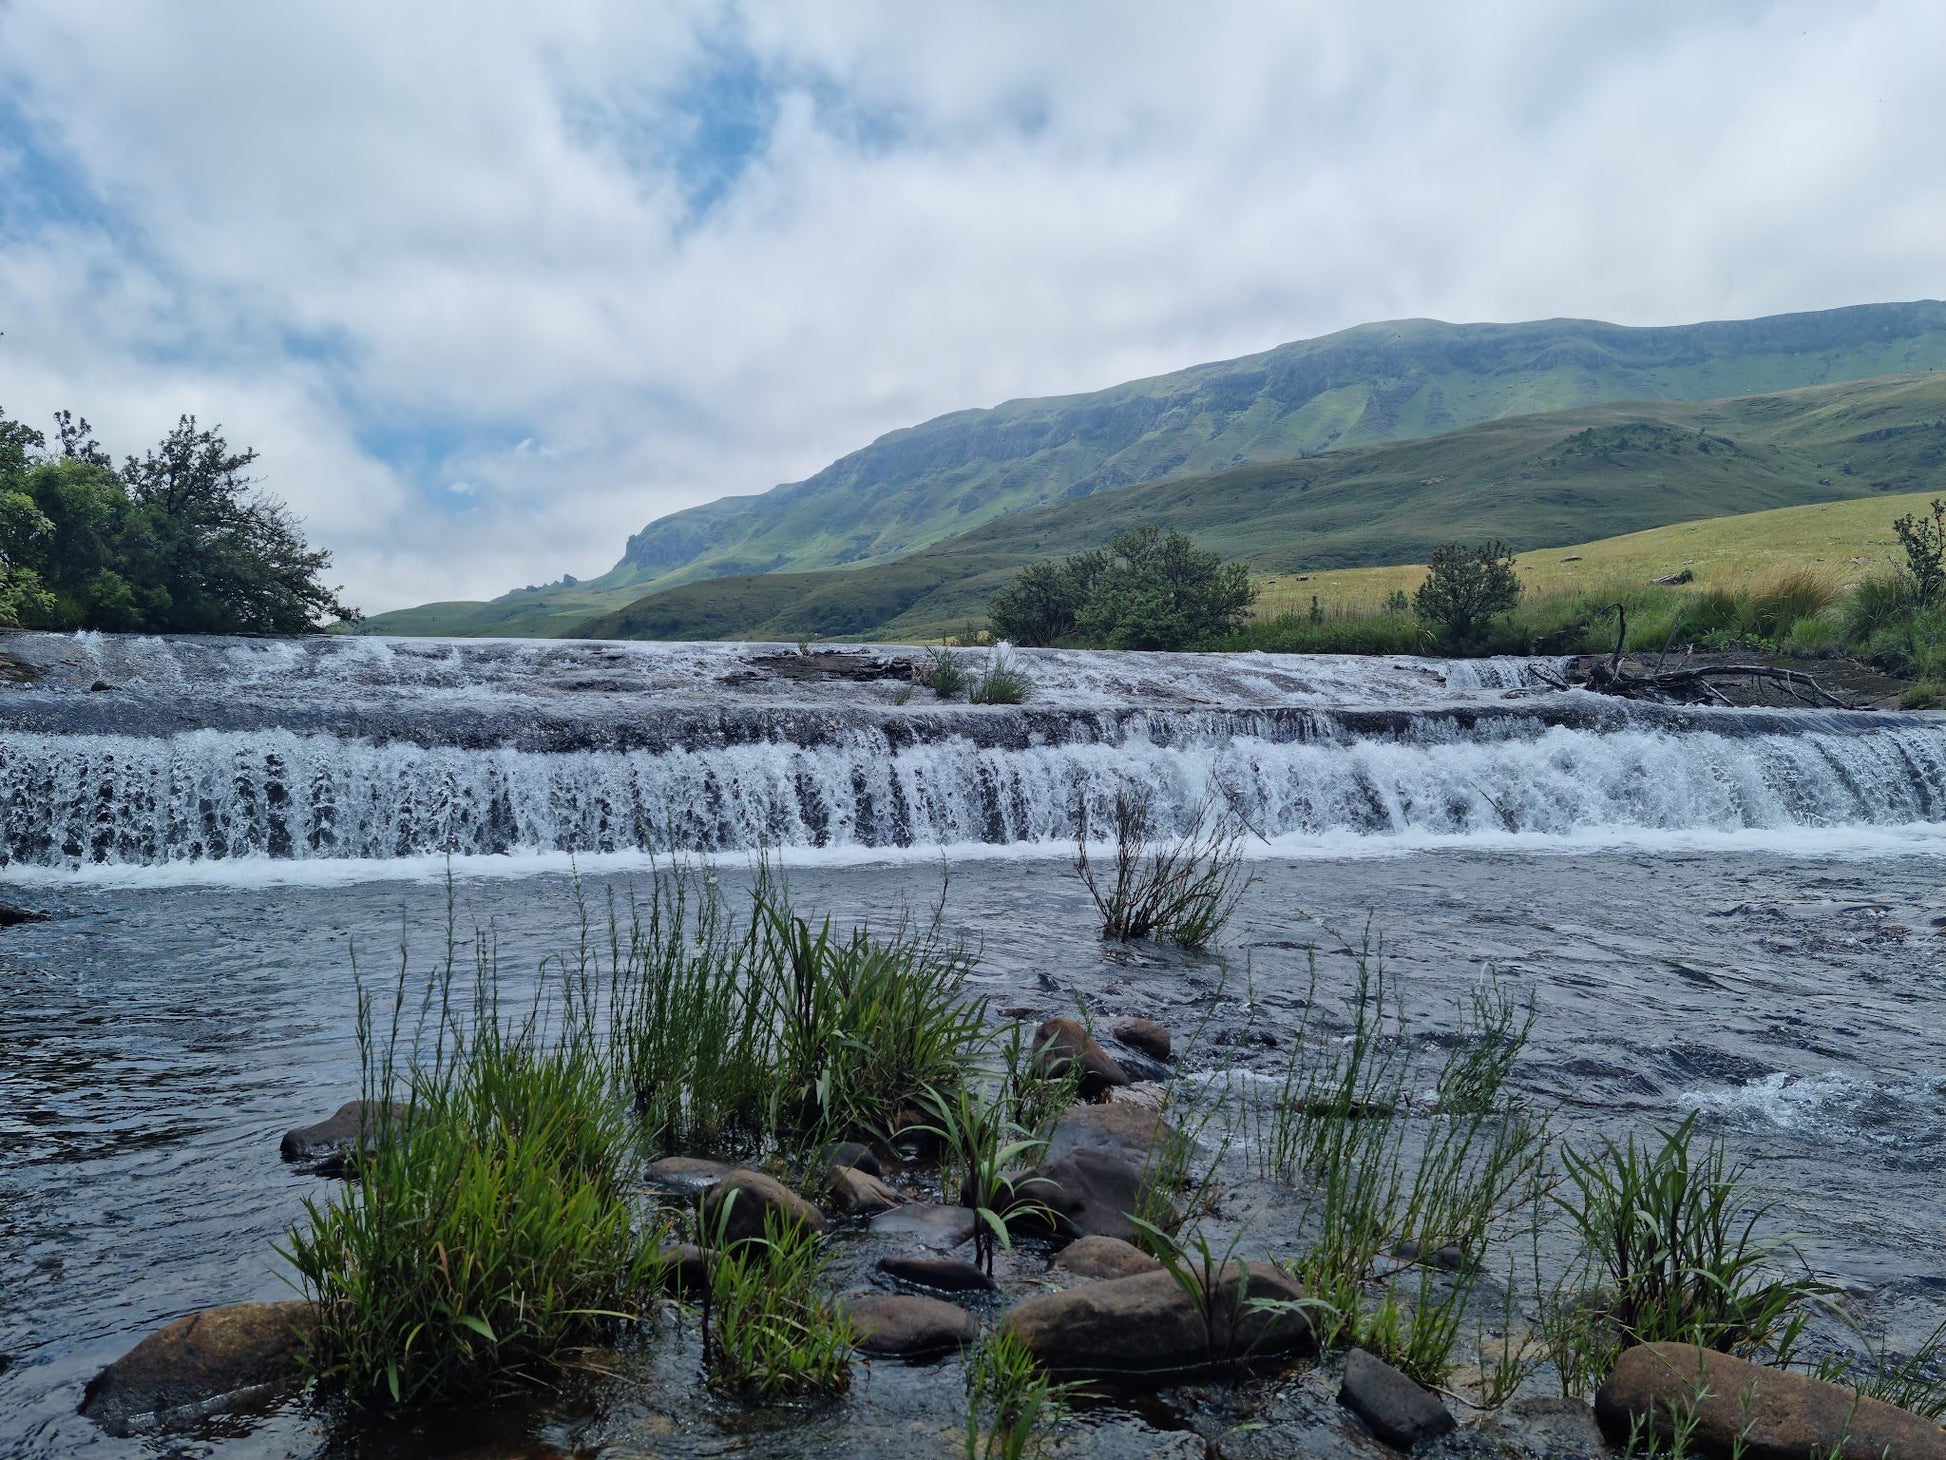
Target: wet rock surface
x: 204, y: 1364
x: 1147, y: 1324
x: 907, y: 1325
x: 941, y: 1274
x: 327, y: 1145
x: 926, y: 1224
x: 1094, y: 1193
x: 1755, y: 1412
x: 851, y: 1193
x: 686, y: 1173
x: 1062, y: 1045
x: 1103, y: 1257
x: 1394, y: 1408
x: 1145, y: 1036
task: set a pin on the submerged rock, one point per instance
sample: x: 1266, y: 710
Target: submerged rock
x: 11, y: 916
x: 324, y: 1147
x: 941, y: 1274
x: 851, y: 1193
x: 1394, y: 1408
x: 1104, y: 1257
x: 904, y: 1325
x: 210, y: 1362
x: 1060, y: 1044
x: 1756, y: 1412
x: 744, y: 1203
x: 1145, y: 1035
x: 1147, y: 1323
x: 929, y: 1224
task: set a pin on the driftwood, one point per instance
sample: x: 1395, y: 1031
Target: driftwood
x: 1687, y: 685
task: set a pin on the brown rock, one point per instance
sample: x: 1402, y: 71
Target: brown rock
x: 1145, y: 1035
x: 1104, y: 1257
x: 1394, y: 1408
x: 1060, y: 1044
x: 1755, y: 1412
x: 1136, y: 1133
x: 851, y: 1193
x: 905, y: 1325
x: 1091, y: 1193
x: 325, y: 1146
x: 686, y: 1270
x: 213, y: 1361
x: 1147, y: 1323
x: 941, y: 1228
x: 740, y: 1205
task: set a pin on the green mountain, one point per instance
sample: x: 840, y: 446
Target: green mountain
x: 1534, y: 481
x: 1407, y: 379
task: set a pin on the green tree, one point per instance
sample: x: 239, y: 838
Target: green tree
x: 1160, y: 591
x: 1042, y: 603
x: 1464, y: 588
x: 1924, y: 541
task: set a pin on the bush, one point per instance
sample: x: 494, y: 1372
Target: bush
x: 490, y: 1229
x: 1464, y: 588
x: 1923, y: 540
x: 1776, y: 607
x: 1145, y: 590
x: 1181, y: 891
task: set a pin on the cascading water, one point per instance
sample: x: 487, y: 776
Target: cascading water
x: 372, y: 750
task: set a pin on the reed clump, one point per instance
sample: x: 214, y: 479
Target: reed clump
x: 1177, y: 889
x: 772, y: 1329
x: 490, y: 1230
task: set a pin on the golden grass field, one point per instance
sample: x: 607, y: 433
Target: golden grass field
x: 1841, y: 541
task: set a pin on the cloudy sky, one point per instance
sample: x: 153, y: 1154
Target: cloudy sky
x: 492, y: 285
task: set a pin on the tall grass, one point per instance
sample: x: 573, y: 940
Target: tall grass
x: 1011, y: 1403
x: 1004, y: 680
x: 737, y: 1030
x: 490, y: 1228
x: 771, y: 1327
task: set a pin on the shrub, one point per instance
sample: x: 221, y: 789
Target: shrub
x: 1145, y: 590
x: 1465, y: 587
x: 1004, y: 681
x: 490, y: 1229
x: 771, y: 1328
x: 1923, y: 540
x: 1181, y: 891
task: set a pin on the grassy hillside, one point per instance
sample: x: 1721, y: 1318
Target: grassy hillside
x: 1376, y: 383
x: 1568, y: 476
x: 1840, y: 542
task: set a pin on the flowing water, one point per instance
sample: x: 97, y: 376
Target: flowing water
x: 1731, y: 912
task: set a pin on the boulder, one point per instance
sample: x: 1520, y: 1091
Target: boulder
x: 686, y: 1270
x: 11, y: 916
x: 210, y: 1362
x: 1136, y: 1133
x: 941, y: 1274
x: 1104, y: 1257
x: 1755, y: 1412
x: 325, y: 1146
x: 741, y: 1205
x: 906, y: 1326
x: 941, y: 1228
x: 686, y: 1173
x: 855, y: 1154
x: 1147, y: 1323
x: 1144, y: 1035
x: 1091, y: 1193
x: 1394, y: 1408
x: 1061, y: 1044
x: 851, y: 1193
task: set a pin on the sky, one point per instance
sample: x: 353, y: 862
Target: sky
x: 492, y: 285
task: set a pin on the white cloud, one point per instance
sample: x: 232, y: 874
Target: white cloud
x: 408, y: 249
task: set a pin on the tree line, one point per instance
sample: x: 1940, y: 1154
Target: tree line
x: 178, y: 540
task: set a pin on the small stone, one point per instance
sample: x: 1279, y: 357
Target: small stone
x: 207, y: 1363
x: 1145, y: 1035
x: 904, y: 1325
x: 1759, y: 1413
x: 1146, y: 1323
x: 1394, y: 1408
x: 941, y: 1274
x: 324, y: 1147
x: 930, y: 1225
x: 99, y: 685
x: 686, y: 1174
x: 1059, y: 1044
x: 855, y: 1154
x: 1104, y: 1257
x: 743, y: 1205
x: 851, y: 1193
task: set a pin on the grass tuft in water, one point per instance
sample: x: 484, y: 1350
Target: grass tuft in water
x: 771, y: 1328
x: 1181, y: 890
x: 1011, y: 1403
x: 490, y: 1231
x: 1004, y: 681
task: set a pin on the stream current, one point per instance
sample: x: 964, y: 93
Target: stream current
x: 1733, y: 913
